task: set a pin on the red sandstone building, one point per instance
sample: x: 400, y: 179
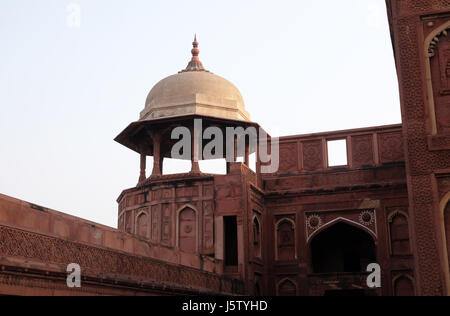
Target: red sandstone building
x: 308, y: 229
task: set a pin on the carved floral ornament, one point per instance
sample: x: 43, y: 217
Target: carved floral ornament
x: 367, y: 218
x: 314, y: 221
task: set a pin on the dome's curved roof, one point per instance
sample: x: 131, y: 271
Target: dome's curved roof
x: 195, y: 91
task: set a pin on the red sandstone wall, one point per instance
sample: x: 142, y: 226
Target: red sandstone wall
x: 156, y: 213
x: 421, y: 49
x: 368, y: 147
x: 307, y: 196
x: 38, y: 242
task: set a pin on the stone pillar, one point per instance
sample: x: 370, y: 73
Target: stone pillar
x: 258, y: 163
x: 258, y: 159
x: 195, y: 152
x: 157, y: 166
x: 241, y: 247
x: 235, y: 155
x: 142, y: 175
x: 247, y: 153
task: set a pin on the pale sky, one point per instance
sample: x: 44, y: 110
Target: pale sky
x: 67, y: 91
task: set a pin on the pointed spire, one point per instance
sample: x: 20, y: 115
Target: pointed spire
x: 195, y: 64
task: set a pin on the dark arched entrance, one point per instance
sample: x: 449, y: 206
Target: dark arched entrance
x: 342, y: 248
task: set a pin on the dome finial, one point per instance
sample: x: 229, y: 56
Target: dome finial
x: 195, y: 51
x: 195, y: 64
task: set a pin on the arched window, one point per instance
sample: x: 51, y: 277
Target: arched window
x: 142, y: 225
x: 187, y: 230
x: 287, y: 288
x: 404, y: 286
x: 256, y: 237
x: 286, y: 240
x: 399, y: 230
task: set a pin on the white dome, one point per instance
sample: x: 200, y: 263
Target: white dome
x: 195, y: 91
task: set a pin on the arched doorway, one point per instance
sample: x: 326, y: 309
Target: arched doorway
x: 342, y: 248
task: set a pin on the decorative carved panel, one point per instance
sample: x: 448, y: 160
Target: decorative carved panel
x: 312, y: 155
x: 391, y: 147
x: 208, y: 226
x: 45, y: 249
x: 156, y: 223
x: 362, y: 148
x: 288, y: 158
x: 166, y: 224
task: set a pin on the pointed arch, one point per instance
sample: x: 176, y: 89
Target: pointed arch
x: 287, y: 287
x: 342, y: 247
x: 345, y: 221
x: 399, y: 237
x: 142, y: 224
x: 433, y: 38
x: 257, y: 236
x: 187, y: 234
x: 430, y: 44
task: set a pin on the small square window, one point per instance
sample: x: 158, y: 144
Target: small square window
x: 337, y: 153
